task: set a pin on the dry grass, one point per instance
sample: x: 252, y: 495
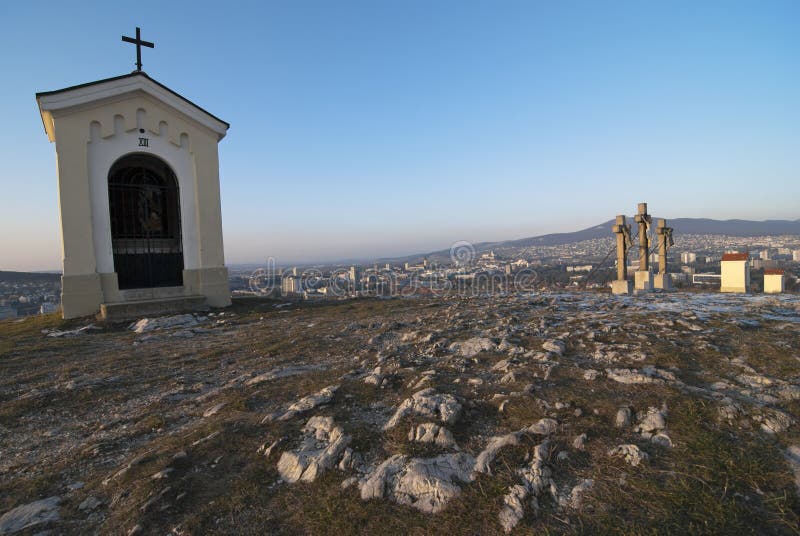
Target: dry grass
x: 718, y: 478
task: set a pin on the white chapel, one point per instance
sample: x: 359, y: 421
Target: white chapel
x: 138, y: 184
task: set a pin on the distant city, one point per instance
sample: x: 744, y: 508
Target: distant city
x: 26, y: 294
x: 694, y: 263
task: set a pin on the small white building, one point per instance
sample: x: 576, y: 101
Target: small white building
x: 774, y: 281
x: 735, y: 273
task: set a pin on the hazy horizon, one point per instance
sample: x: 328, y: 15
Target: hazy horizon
x: 338, y: 258
x: 367, y: 129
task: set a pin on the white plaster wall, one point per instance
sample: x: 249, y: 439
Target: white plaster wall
x: 735, y: 275
x: 102, y: 152
x: 773, y: 284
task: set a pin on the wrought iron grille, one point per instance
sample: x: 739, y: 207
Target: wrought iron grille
x: 144, y: 203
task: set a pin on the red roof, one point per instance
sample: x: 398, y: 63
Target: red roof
x: 735, y: 257
x: 773, y: 271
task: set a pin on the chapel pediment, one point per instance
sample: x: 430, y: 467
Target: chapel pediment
x: 118, y: 89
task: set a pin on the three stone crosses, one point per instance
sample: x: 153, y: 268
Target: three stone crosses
x: 644, y: 279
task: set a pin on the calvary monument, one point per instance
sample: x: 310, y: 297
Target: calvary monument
x: 138, y: 182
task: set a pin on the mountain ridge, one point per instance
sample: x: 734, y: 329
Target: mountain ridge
x: 733, y: 227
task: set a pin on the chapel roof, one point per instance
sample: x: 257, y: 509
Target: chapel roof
x: 144, y: 79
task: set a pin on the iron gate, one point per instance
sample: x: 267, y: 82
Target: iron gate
x: 144, y: 203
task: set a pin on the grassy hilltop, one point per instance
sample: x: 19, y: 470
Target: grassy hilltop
x: 166, y: 430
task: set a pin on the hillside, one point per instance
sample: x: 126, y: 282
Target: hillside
x: 743, y: 228
x: 29, y: 277
x: 680, y: 225
x: 532, y: 414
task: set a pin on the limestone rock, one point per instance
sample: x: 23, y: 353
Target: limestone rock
x: 377, y: 483
x: 350, y: 460
x: 164, y: 473
x: 651, y: 422
x: 320, y: 450
x: 536, y: 478
x: 427, y: 403
x: 213, y: 409
x: 164, y: 322
x: 266, y: 450
x: 488, y: 454
x: 509, y: 377
x: 630, y: 376
x: 729, y: 410
x: 544, y: 426
x: 775, y: 421
x: 210, y: 436
x: 502, y: 365
x: 375, y: 377
x: 575, y: 497
x: 89, y: 504
x: 554, y: 346
x: 347, y: 482
x: 662, y: 439
x: 631, y: 453
x: 309, y: 402
x: 30, y: 515
x: 432, y: 433
x: 623, y: 418
x: 660, y: 374
x: 590, y: 374
x: 72, y: 332
x: 409, y: 336
x: 473, y: 346
x: 789, y: 392
x: 427, y: 484
x: 513, y: 507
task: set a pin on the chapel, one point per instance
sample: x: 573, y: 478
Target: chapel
x: 139, y: 197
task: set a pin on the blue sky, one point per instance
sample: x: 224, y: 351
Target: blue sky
x: 381, y: 128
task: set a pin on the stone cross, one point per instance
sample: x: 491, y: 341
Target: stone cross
x: 643, y: 219
x: 665, y: 242
x: 623, y: 232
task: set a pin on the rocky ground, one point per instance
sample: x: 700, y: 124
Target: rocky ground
x: 557, y: 413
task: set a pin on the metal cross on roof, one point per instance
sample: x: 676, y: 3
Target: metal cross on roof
x: 139, y: 44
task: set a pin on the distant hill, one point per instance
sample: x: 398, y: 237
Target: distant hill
x: 26, y: 277
x: 742, y: 228
x: 681, y: 226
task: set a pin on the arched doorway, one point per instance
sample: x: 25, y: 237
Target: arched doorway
x: 145, y: 210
